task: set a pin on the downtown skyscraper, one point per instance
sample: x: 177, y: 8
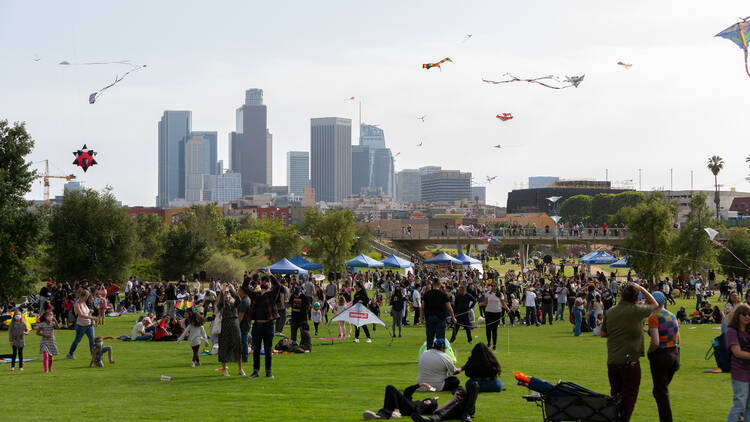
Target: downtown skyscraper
x: 331, y: 158
x: 380, y: 169
x: 297, y: 171
x: 174, y: 130
x: 251, y: 145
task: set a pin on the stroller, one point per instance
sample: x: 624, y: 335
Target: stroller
x: 567, y: 401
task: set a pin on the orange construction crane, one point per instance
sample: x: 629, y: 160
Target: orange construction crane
x: 46, y: 176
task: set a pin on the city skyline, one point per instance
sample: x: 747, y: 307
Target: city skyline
x: 618, y: 121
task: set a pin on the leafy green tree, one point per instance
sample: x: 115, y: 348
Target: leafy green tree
x: 576, y: 209
x: 715, y: 164
x: 602, y: 208
x: 738, y: 241
x: 150, y: 230
x: 185, y: 251
x: 207, y: 221
x: 692, y: 246
x: 332, y: 236
x: 248, y: 241
x: 362, y: 237
x: 225, y: 267
x: 284, y: 243
x: 648, y: 243
x: 627, y: 199
x: 91, y: 236
x: 21, y: 231
x: 231, y: 225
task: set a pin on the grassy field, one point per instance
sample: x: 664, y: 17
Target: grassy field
x: 334, y: 382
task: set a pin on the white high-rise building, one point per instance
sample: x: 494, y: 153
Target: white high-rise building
x: 331, y: 158
x: 174, y: 129
x: 297, y: 171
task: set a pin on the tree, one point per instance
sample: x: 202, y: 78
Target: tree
x: 225, y: 267
x: 283, y: 243
x: 649, y: 225
x: 602, y: 208
x: 91, y: 236
x: 231, y: 225
x: 207, y: 221
x: 185, y: 250
x: 715, y: 164
x: 248, y: 242
x: 738, y: 241
x: 21, y: 231
x: 576, y: 209
x: 332, y: 236
x: 150, y: 230
x: 692, y: 247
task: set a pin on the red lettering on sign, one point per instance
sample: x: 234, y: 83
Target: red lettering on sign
x: 361, y: 315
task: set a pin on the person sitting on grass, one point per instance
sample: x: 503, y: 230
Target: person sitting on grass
x: 461, y: 406
x: 483, y: 368
x: 436, y: 369
x: 682, y: 315
x: 139, y: 330
x: 396, y: 405
x: 99, y: 349
x: 707, y: 313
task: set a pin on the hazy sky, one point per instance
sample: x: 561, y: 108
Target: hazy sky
x: 685, y: 98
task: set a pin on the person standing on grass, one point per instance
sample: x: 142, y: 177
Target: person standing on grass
x: 663, y: 354
x: 463, y: 304
x: 435, y: 303
x: 416, y: 299
x: 494, y: 303
x: 622, y: 326
x: 738, y: 344
x: 17, y: 337
x: 195, y: 334
x: 361, y: 297
x: 229, y: 338
x: 243, y: 316
x: 264, y: 312
x: 530, y: 302
x: 84, y: 323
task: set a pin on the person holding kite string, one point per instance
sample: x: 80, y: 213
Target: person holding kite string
x: 361, y: 297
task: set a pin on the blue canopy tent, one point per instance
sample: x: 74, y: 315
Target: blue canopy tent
x: 598, y: 258
x: 303, y: 263
x: 285, y: 267
x: 467, y: 260
x: 588, y: 255
x: 443, y: 259
x: 395, y: 262
x: 621, y: 263
x: 363, y: 261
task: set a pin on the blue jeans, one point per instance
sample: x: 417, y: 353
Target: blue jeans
x: 740, y: 402
x: 80, y: 331
x: 487, y: 386
x: 560, y: 315
x: 698, y: 302
x: 531, y: 315
x: 435, y: 328
x: 148, y: 336
x: 577, y: 313
x: 243, y: 345
x: 262, y: 332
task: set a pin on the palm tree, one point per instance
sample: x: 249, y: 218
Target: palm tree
x: 715, y: 164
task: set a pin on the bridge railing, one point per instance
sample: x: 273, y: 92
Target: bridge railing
x: 453, y: 234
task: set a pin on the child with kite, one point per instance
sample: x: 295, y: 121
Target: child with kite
x: 47, y: 345
x: 195, y: 334
x: 17, y: 336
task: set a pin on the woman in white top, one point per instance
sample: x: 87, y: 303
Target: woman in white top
x: 84, y: 323
x: 494, y: 303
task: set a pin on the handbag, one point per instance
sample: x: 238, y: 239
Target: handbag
x: 216, y: 327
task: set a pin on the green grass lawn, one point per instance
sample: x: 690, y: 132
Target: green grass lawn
x: 334, y: 382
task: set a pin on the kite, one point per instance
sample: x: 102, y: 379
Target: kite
x: 431, y: 65
x: 36, y: 58
x: 498, y: 146
x: 491, y: 178
x: 625, y: 65
x: 95, y: 95
x: 504, y: 117
x: 422, y: 118
x: 467, y: 38
x: 419, y: 144
x: 397, y: 154
x: 28, y: 320
x: 349, y: 99
x: 738, y: 33
x: 84, y: 158
x: 712, y: 236
x: 549, y: 81
x: 184, y: 305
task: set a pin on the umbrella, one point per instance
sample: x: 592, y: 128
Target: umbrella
x: 285, y: 267
x: 363, y: 260
x: 467, y: 260
x: 358, y: 315
x: 598, y: 258
x: 443, y: 259
x: 303, y: 263
x: 395, y: 262
x: 621, y: 263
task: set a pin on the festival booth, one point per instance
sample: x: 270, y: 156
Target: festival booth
x: 395, y: 262
x: 305, y: 264
x: 472, y: 263
x: 443, y: 259
x: 598, y: 258
x: 285, y: 267
x: 621, y: 263
x: 363, y: 261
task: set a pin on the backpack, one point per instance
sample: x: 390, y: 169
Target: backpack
x: 719, y: 351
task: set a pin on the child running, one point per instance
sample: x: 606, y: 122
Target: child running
x: 340, y: 307
x: 317, y: 316
x: 195, y: 334
x: 47, y: 345
x: 17, y: 337
x: 99, y: 349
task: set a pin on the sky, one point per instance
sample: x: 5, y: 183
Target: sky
x: 684, y: 99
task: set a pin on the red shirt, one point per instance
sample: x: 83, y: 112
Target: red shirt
x: 112, y: 289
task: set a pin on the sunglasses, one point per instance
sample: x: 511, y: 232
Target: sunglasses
x: 744, y: 314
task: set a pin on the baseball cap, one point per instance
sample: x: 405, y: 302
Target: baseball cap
x: 439, y: 343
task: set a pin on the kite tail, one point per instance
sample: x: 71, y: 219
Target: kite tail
x: 728, y: 250
x: 746, y: 70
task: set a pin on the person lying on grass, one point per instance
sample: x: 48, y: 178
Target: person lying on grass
x: 396, y: 405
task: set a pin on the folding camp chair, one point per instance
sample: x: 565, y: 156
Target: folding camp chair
x: 571, y: 402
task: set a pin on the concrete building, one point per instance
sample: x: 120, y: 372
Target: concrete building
x: 196, y: 166
x: 174, y: 129
x: 297, y: 171
x: 535, y: 200
x: 683, y: 197
x: 537, y: 182
x: 446, y: 185
x: 371, y: 136
x: 251, y: 145
x: 409, y: 183
x: 480, y: 193
x: 210, y: 153
x: 222, y: 187
x: 331, y: 158
x: 361, y: 169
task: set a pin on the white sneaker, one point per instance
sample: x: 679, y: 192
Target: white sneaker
x: 356, y: 340
x: 192, y: 364
x: 225, y: 373
x: 369, y: 415
x: 396, y: 414
x: 368, y: 340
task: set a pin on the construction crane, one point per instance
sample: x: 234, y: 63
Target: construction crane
x: 46, y: 176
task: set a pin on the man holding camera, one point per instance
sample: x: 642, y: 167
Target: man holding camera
x: 435, y: 303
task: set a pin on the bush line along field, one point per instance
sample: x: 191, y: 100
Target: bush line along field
x: 334, y: 382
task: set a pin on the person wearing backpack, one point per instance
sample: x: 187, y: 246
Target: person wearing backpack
x: 663, y: 354
x: 738, y: 343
